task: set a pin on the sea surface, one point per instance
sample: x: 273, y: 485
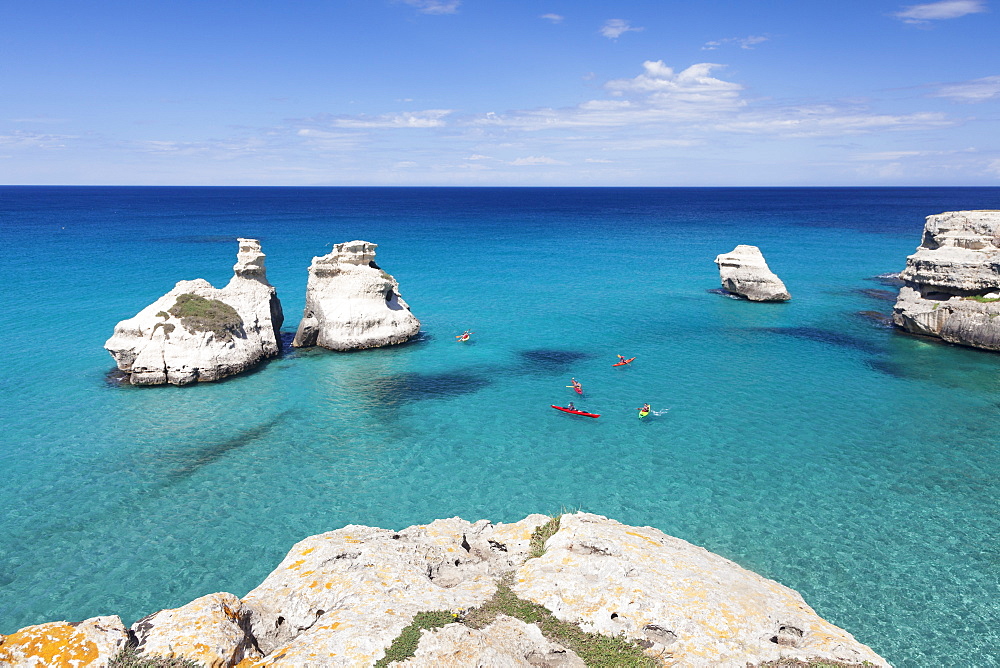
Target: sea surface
x: 804, y: 441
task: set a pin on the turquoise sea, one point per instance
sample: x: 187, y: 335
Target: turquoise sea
x: 808, y: 443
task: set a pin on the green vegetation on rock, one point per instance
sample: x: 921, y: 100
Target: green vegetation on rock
x: 593, y: 648
x: 983, y: 300
x: 541, y: 534
x: 199, y: 314
x: 405, y: 644
x: 130, y: 657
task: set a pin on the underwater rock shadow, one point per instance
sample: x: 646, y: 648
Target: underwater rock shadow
x: 826, y: 336
x: 194, y: 459
x: 550, y: 360
x: 889, y: 280
x: 396, y: 389
x: 876, y: 293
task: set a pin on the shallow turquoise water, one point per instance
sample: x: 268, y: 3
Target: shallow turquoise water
x: 852, y: 463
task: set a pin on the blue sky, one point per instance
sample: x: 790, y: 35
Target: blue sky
x: 500, y: 92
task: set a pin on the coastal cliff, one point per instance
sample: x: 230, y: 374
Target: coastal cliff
x: 351, y: 304
x: 197, y: 332
x: 570, y: 591
x: 952, y: 283
x: 744, y: 272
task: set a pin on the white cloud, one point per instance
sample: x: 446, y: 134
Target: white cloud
x: 976, y: 90
x: 748, y: 42
x: 664, y: 86
x: 994, y: 167
x: 536, y: 160
x: 599, y: 160
x: 946, y: 9
x: 435, y: 6
x: 615, y: 28
x: 429, y: 118
x: 35, y: 139
x: 896, y: 156
x: 478, y: 156
x: 826, y: 120
x: 555, y: 18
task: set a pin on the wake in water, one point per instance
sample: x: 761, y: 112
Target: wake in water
x: 663, y: 412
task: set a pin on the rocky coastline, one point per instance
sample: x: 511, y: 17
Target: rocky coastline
x: 951, y: 284
x: 575, y: 590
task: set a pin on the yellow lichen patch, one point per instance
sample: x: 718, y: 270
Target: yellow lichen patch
x: 56, y: 644
x: 297, y: 564
x: 307, y: 551
x: 645, y: 538
x: 352, y: 540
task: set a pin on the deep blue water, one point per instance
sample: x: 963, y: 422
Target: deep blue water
x: 805, y: 442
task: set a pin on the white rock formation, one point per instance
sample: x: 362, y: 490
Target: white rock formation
x: 161, y: 345
x: 952, y: 283
x: 92, y: 642
x: 352, y: 304
x: 342, y: 597
x: 744, y: 272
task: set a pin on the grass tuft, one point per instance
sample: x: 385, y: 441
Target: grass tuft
x: 130, y: 657
x: 540, y: 535
x: 405, y: 644
x: 199, y: 314
x: 983, y: 300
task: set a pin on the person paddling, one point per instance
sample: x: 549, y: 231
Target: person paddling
x: 576, y: 385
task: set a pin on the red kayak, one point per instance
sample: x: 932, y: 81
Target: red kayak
x: 578, y: 388
x: 570, y: 410
x: 628, y: 361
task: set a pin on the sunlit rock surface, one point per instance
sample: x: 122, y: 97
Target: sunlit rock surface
x: 342, y: 597
x: 92, y: 642
x: 952, y: 283
x: 352, y: 304
x: 158, y: 346
x: 744, y: 272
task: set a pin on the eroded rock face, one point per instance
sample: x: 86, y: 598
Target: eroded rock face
x: 199, y: 333
x: 341, y: 598
x: 351, y: 304
x: 210, y: 630
x: 701, y: 609
x: 952, y: 283
x: 92, y: 642
x: 745, y: 273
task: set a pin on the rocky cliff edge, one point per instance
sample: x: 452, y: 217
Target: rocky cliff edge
x: 342, y: 598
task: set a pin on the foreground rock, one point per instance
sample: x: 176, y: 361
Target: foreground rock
x: 342, y: 597
x: 91, y: 642
x: 351, y: 304
x: 744, y: 272
x: 199, y: 333
x: 951, y: 284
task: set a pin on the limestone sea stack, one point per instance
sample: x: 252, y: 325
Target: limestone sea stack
x: 951, y: 285
x: 197, y: 332
x: 351, y: 304
x: 341, y: 598
x: 745, y: 273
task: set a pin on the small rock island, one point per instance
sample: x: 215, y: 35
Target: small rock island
x: 352, y: 304
x: 197, y: 332
x: 745, y: 273
x: 568, y: 591
x: 951, y: 284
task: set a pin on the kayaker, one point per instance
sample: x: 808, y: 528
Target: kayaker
x: 571, y: 406
x: 576, y: 383
x: 621, y: 358
x: 645, y: 408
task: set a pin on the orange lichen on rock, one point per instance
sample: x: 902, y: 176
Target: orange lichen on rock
x: 52, y: 644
